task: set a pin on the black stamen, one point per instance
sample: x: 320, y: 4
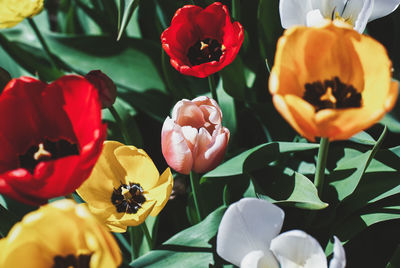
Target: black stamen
x: 128, y: 203
x: 332, y: 94
x: 71, y: 261
x: 206, y: 50
x: 54, y: 150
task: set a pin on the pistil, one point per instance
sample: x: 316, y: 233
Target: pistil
x: 206, y: 50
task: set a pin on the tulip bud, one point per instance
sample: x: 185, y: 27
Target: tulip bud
x: 193, y: 138
x: 106, y: 87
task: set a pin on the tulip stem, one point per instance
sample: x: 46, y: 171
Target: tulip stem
x: 213, y: 88
x: 236, y: 9
x: 194, y: 182
x: 121, y: 125
x: 147, y: 235
x: 42, y: 42
x: 321, y: 164
x: 132, y: 239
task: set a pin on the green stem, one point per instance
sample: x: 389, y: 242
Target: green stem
x: 213, y: 88
x: 147, y: 235
x: 321, y: 164
x: 236, y: 9
x: 121, y: 125
x: 194, y: 182
x: 132, y: 239
x: 43, y: 42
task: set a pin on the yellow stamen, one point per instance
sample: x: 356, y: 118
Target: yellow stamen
x: 203, y: 45
x: 41, y: 153
x: 328, y: 96
x: 125, y: 192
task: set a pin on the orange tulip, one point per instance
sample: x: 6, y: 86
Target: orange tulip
x: 331, y: 81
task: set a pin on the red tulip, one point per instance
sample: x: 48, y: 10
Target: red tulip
x: 193, y: 139
x: 200, y: 41
x: 50, y: 137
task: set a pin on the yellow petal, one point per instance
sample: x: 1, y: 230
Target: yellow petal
x: 161, y: 193
x: 13, y: 12
x: 107, y: 175
x: 138, y: 166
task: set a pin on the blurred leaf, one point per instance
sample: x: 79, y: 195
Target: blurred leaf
x: 257, y: 158
x: 228, y: 109
x: 7, y: 221
x: 346, y: 176
x: 363, y: 138
x: 233, y: 79
x: 395, y: 260
x: 391, y: 122
x: 30, y: 58
x: 269, y: 28
x: 188, y: 248
x: 304, y: 194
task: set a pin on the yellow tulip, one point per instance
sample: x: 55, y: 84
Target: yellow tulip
x: 60, y: 234
x: 13, y: 12
x: 331, y: 81
x: 125, y: 187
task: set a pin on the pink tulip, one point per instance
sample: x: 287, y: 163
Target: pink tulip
x: 193, y: 139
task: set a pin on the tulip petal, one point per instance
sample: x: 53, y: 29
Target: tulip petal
x: 383, y: 8
x: 359, y: 11
x: 175, y: 148
x: 161, y: 193
x: 248, y: 225
x: 298, y: 249
x: 106, y: 176
x: 187, y: 113
x: 293, y: 12
x: 210, y: 150
x: 138, y: 166
x: 259, y: 259
x: 339, y: 256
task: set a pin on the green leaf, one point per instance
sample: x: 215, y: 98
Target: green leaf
x: 228, y: 109
x: 257, y: 157
x: 127, y: 17
x: 304, y: 194
x: 354, y: 225
x: 348, y: 173
x: 395, y: 260
x: 233, y: 79
x: 189, y: 248
x: 31, y: 59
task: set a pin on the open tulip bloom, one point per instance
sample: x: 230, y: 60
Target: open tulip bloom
x: 248, y: 236
x: 193, y: 137
x: 60, y: 234
x: 125, y: 187
x: 332, y: 89
x: 355, y: 12
x: 50, y: 136
x: 13, y: 12
x: 201, y: 41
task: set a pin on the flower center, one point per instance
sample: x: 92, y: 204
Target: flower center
x: 128, y: 198
x: 71, y: 261
x: 45, y: 151
x: 332, y: 94
x: 206, y: 50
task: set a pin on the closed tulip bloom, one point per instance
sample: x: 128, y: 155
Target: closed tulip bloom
x: 193, y: 137
x: 105, y: 86
x: 60, y: 234
x: 331, y: 89
x: 13, y: 12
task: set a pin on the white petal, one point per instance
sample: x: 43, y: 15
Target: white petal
x: 315, y: 18
x: 190, y: 135
x: 294, y: 12
x: 339, y: 256
x: 328, y: 8
x: 358, y: 11
x: 383, y: 8
x: 259, y: 259
x: 248, y: 225
x: 298, y: 249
